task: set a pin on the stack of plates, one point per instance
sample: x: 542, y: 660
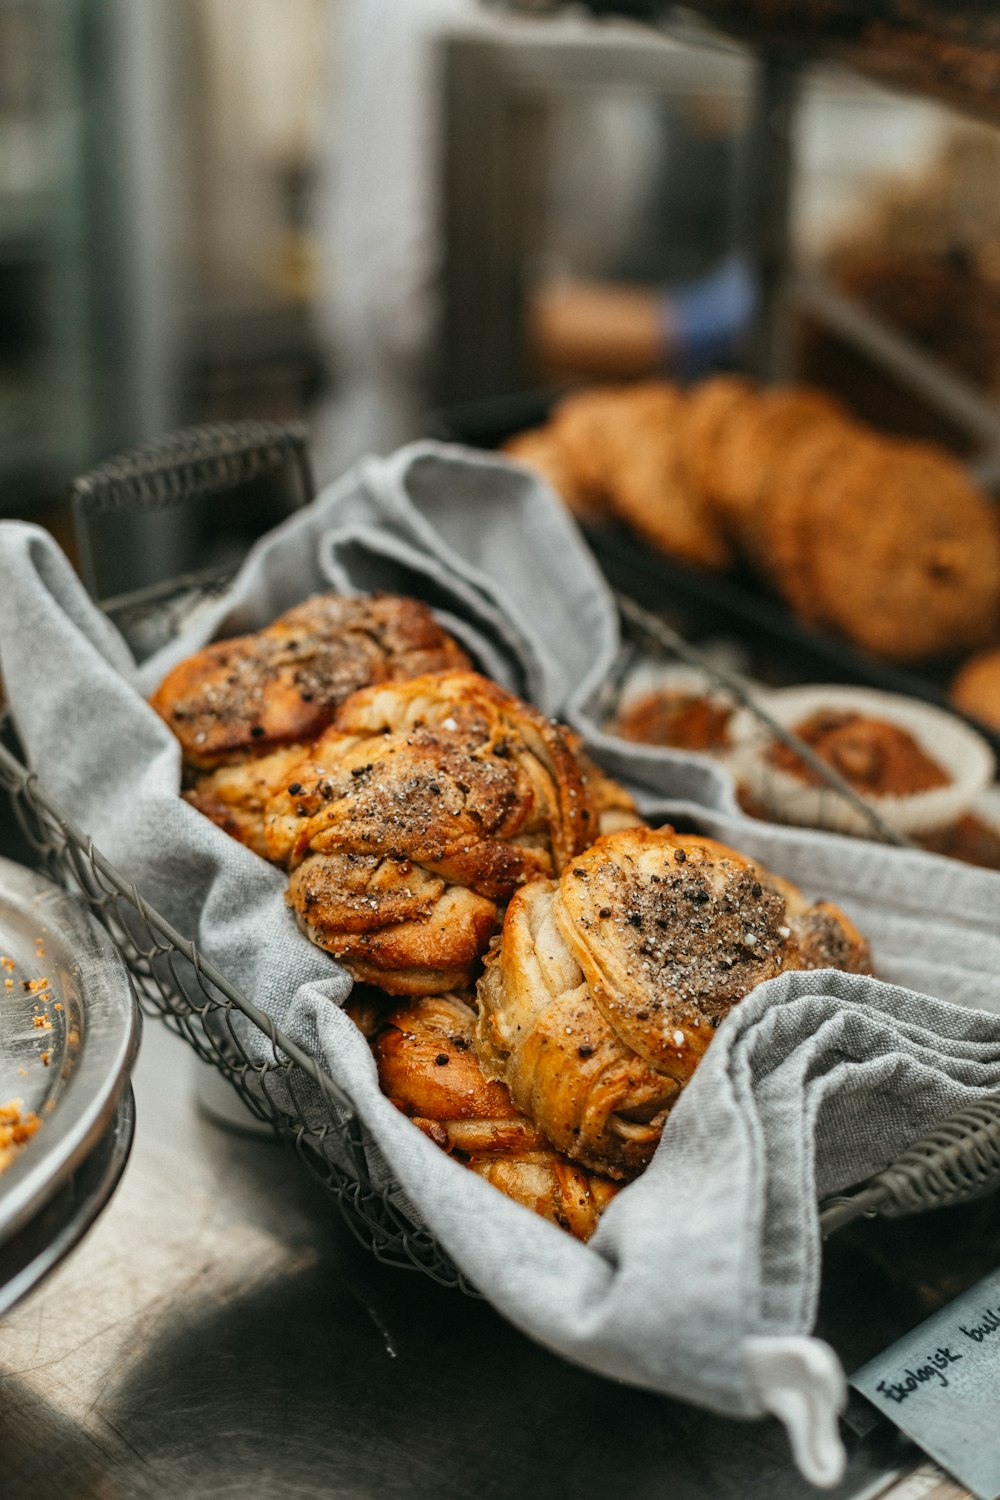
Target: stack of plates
x: 69, y: 1028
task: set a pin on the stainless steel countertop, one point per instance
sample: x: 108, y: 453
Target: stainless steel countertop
x: 219, y: 1333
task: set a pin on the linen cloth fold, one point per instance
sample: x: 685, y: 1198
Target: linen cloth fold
x: 701, y: 1280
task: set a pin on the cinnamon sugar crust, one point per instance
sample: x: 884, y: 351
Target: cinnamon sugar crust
x: 607, y: 985
x: 252, y: 694
x: 415, y: 817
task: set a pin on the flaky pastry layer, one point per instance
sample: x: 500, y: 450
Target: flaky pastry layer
x: 428, y: 1068
x: 608, y: 984
x: 412, y: 821
x: 282, y: 685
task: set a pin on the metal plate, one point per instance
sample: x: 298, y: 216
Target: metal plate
x: 68, y: 1035
x: 47, y: 1239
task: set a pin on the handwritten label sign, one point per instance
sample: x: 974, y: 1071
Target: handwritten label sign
x: 941, y: 1385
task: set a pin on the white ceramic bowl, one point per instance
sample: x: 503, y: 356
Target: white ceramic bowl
x: 963, y: 755
x: 650, y: 677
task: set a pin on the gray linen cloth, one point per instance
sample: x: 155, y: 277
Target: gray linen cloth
x: 701, y: 1281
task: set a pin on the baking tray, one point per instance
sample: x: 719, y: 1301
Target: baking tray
x: 68, y: 1036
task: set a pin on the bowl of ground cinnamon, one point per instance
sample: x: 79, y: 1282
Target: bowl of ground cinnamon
x: 676, y: 707
x: 918, y: 766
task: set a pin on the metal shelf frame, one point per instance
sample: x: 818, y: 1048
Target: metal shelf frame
x: 785, y: 291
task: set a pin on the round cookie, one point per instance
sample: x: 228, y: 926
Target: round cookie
x: 909, y: 567
x: 706, y: 411
x: 752, y: 449
x: 652, y: 493
x: 975, y: 689
x: 587, y: 423
x: 781, y: 551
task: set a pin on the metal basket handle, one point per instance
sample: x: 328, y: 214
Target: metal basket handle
x: 956, y: 1161
x: 189, y: 464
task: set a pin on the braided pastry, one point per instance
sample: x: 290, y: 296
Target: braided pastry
x: 608, y: 984
x: 239, y: 704
x: 410, y: 823
x: 427, y: 1067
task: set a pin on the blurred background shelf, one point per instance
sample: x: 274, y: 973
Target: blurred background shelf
x: 202, y: 218
x: 946, y: 49
x: 47, y: 350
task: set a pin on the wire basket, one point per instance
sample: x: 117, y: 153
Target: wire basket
x: 176, y: 983
x: 667, y: 692
x: 959, y: 1160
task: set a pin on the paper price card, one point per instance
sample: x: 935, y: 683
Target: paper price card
x: 941, y: 1385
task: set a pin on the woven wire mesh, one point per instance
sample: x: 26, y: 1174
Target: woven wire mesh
x: 957, y: 1161
x: 192, y: 463
x: 177, y: 984
x: 960, y: 1159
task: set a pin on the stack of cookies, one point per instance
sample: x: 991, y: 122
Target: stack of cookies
x: 882, y: 540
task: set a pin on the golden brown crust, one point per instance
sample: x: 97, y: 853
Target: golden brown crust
x: 645, y: 479
x: 541, y: 1032
x: 390, y: 923
x: 912, y: 566
x: 805, y: 517
x: 455, y: 1093
x: 650, y: 490
x: 541, y: 450
x: 428, y: 1068
x: 828, y: 939
x: 885, y: 542
x: 786, y: 521
x: 707, y: 410
x: 414, y: 818
x: 607, y: 986
x: 614, y: 807
x: 583, y: 425
x: 236, y: 796
x: 252, y: 694
x: 752, y: 449
x: 550, y: 1185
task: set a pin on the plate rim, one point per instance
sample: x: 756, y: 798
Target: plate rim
x: 88, y: 1190
x: 108, y: 1050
